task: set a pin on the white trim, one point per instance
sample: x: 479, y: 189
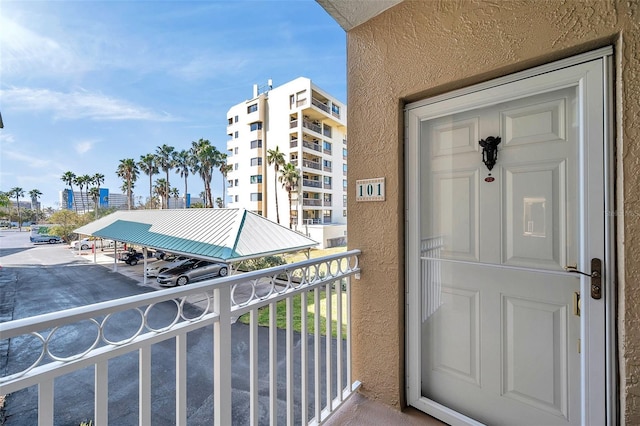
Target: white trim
x: 610, y: 247
x: 598, y: 383
x: 532, y: 72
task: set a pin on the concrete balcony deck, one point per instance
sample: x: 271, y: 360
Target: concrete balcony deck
x: 361, y: 411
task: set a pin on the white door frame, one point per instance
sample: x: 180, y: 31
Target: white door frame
x: 598, y: 384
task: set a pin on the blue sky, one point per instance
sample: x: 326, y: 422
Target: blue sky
x: 84, y: 84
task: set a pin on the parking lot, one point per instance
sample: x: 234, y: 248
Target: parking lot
x: 43, y: 278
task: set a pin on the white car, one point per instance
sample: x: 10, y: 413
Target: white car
x: 86, y: 243
x: 159, y: 266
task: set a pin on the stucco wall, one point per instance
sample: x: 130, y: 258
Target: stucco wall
x: 422, y: 48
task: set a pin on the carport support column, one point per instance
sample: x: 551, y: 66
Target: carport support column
x: 144, y: 263
x: 222, y: 356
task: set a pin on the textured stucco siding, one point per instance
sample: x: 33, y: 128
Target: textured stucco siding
x: 423, y: 48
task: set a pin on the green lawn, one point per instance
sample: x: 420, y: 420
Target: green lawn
x: 281, y: 319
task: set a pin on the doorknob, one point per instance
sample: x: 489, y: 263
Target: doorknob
x: 596, y: 276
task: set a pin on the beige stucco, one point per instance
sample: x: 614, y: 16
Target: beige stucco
x: 422, y: 48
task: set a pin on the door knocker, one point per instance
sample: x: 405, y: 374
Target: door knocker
x: 490, y: 153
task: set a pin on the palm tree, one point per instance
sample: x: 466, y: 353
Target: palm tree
x: 83, y: 182
x: 183, y: 162
x: 35, y: 194
x: 69, y: 178
x: 149, y: 167
x: 224, y: 169
x: 160, y: 189
x: 276, y: 157
x: 97, y: 180
x: 18, y: 192
x: 128, y: 171
x: 289, y: 177
x: 174, y: 193
x: 164, y: 160
x: 94, y: 192
x: 206, y: 158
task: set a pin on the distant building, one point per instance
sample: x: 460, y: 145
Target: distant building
x: 111, y: 200
x: 80, y: 201
x: 309, y: 127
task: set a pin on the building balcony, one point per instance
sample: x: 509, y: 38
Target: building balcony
x: 315, y: 127
x: 293, y: 143
x: 312, y: 145
x: 312, y: 183
x: 312, y: 202
x: 311, y: 164
x: 305, y: 383
x: 293, y: 124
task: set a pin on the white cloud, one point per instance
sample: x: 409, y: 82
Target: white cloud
x: 78, y: 105
x: 84, y: 146
x: 24, y: 50
x: 7, y: 139
x: 32, y: 161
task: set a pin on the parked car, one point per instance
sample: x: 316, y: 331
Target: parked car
x: 86, y: 243
x: 168, y: 262
x: 190, y: 271
x: 51, y: 239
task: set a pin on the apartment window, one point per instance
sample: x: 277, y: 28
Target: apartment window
x: 344, y: 184
x: 235, y: 135
x: 235, y: 166
x: 335, y: 109
x: 256, y: 196
x: 344, y: 213
x: 256, y: 143
x: 230, y: 120
x: 237, y: 198
x: 230, y: 183
x: 256, y: 161
x: 326, y: 146
x: 327, y: 216
x: 327, y: 197
x: 252, y: 108
x: 292, y: 101
x: 235, y: 151
x: 236, y: 118
x: 326, y: 164
x: 256, y: 126
x: 256, y: 179
x: 326, y: 130
x: 236, y: 182
x: 327, y: 181
x: 344, y: 168
x: 344, y: 152
x: 344, y: 199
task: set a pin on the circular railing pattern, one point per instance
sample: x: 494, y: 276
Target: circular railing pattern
x: 291, y: 277
x: 101, y: 338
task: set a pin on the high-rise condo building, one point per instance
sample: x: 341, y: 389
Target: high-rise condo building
x: 308, y: 126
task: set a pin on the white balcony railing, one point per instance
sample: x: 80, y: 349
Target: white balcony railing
x: 326, y: 367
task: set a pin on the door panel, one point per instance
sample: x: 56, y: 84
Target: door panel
x: 499, y: 341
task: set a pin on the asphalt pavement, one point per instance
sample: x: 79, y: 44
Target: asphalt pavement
x: 42, y: 278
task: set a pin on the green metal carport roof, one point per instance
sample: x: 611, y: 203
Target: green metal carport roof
x: 226, y: 235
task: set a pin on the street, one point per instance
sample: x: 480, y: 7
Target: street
x: 37, y: 279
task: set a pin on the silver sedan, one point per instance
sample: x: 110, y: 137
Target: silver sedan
x: 192, y: 270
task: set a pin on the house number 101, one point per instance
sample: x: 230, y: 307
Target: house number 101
x: 370, y: 189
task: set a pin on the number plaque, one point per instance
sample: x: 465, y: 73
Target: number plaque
x: 370, y: 189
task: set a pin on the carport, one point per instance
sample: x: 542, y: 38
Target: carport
x: 220, y: 235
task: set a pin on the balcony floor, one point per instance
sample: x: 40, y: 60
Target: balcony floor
x: 359, y: 410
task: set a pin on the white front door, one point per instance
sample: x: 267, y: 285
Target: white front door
x: 498, y: 335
